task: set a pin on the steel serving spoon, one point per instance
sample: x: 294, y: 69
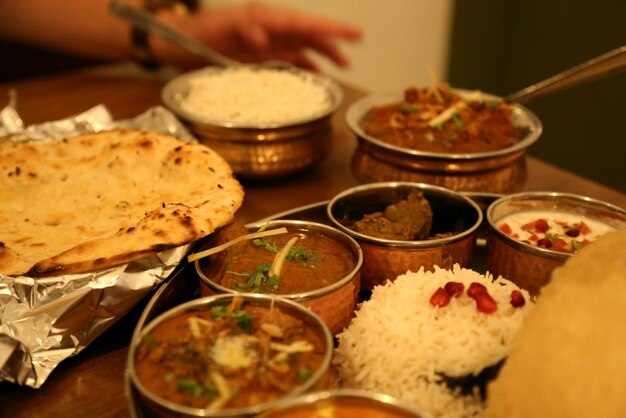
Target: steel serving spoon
x: 146, y: 21
x: 610, y: 63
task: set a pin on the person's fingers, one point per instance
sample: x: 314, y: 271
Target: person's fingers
x: 256, y: 35
x: 302, y: 61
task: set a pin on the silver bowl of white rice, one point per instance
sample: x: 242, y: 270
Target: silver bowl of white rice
x: 267, y: 122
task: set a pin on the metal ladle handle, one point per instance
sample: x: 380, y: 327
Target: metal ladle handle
x: 610, y: 63
x: 146, y: 21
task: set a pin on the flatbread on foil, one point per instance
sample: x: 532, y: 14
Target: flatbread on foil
x: 99, y: 200
x: 569, y: 358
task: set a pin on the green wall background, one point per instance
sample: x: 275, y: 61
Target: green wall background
x: 503, y: 46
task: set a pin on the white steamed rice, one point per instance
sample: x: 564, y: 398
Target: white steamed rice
x: 255, y: 96
x: 398, y: 342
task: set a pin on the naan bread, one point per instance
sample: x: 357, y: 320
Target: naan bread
x: 569, y: 359
x: 100, y: 200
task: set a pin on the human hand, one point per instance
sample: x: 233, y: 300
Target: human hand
x: 254, y: 32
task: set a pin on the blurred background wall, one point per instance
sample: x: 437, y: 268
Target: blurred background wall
x: 500, y: 47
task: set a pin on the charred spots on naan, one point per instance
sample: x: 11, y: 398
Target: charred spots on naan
x: 15, y: 171
x: 160, y: 247
x: 146, y: 141
x: 42, y: 269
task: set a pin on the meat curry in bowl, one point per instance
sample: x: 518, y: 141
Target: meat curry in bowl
x: 455, y: 138
x: 404, y: 226
x: 307, y: 262
x: 229, y: 355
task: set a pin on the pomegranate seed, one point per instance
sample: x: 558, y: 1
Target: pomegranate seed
x: 485, y: 303
x: 583, y: 228
x: 454, y: 289
x: 474, y: 288
x: 561, y: 245
x: 440, y: 298
x: 541, y: 225
x: 544, y: 242
x: 506, y: 228
x: 517, y: 299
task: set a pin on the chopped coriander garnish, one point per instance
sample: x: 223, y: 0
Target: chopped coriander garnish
x: 551, y: 237
x: 263, y: 242
x: 409, y: 108
x: 300, y: 254
x: 272, y: 281
x: 190, y: 385
x: 492, y: 103
x: 303, y: 374
x: 149, y: 340
x: 243, y: 319
x: 457, y: 121
x: 577, y: 245
x: 260, y: 277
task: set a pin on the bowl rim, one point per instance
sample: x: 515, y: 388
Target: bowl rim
x: 300, y: 296
x: 551, y: 196
x: 357, y: 110
x: 401, y: 244
x: 176, y: 87
x: 208, y: 301
x: 314, y: 397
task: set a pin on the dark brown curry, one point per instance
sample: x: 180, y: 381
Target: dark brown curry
x: 229, y: 356
x: 440, y: 120
x: 313, y: 262
x: 407, y: 220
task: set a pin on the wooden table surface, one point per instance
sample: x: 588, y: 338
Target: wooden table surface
x: 91, y: 383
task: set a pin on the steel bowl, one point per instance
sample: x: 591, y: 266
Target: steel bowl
x: 500, y: 171
x: 260, y: 151
x: 359, y: 401
x: 529, y: 266
x: 334, y: 303
x: 385, y: 259
x: 154, y: 406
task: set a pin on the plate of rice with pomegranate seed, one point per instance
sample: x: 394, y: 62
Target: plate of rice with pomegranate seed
x: 433, y: 338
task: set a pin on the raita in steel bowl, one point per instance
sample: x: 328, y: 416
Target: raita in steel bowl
x: 532, y: 233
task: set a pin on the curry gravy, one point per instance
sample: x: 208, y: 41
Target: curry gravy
x: 315, y: 261
x: 228, y: 357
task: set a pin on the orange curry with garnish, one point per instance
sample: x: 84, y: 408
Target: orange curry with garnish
x: 439, y: 120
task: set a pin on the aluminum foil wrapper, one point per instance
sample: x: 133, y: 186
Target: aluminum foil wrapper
x: 46, y: 320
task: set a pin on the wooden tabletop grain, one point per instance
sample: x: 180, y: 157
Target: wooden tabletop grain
x: 91, y: 383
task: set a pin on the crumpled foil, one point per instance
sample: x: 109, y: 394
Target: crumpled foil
x: 46, y: 320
